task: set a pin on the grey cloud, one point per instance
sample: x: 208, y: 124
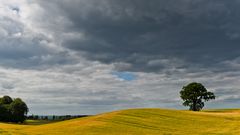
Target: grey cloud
x: 25, y: 42
x: 59, y: 55
x: 200, y: 33
x: 8, y: 86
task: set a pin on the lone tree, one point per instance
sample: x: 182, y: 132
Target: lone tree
x: 194, y: 95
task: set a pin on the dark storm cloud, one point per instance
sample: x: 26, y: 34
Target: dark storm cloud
x: 201, y: 33
x: 63, y: 55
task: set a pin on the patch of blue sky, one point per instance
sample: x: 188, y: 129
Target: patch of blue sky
x: 127, y: 76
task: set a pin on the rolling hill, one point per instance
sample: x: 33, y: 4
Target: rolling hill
x: 138, y: 121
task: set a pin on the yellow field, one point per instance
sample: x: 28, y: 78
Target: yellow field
x: 138, y: 122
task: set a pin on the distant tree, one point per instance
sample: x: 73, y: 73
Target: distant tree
x: 36, y: 117
x: 5, y: 114
x: 18, y: 110
x: 45, y: 117
x: 194, y: 95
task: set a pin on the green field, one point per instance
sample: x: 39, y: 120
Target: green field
x: 137, y: 122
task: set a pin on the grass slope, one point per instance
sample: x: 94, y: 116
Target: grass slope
x: 139, y: 121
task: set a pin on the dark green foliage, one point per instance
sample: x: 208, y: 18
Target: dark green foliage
x: 18, y: 110
x: 12, y: 110
x: 6, y: 100
x: 194, y: 95
x: 4, y: 113
x: 36, y: 117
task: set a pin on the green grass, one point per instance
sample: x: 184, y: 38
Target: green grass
x: 37, y: 122
x: 138, y: 121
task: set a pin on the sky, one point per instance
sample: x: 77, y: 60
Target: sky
x: 95, y: 56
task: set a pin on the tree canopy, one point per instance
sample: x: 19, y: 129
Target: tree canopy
x: 12, y: 110
x: 194, y: 95
x: 6, y: 100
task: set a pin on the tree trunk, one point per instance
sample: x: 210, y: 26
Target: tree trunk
x: 194, y: 105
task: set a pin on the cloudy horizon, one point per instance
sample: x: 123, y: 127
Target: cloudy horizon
x: 94, y: 56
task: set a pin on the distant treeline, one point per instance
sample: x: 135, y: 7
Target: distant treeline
x: 12, y: 110
x: 54, y: 117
